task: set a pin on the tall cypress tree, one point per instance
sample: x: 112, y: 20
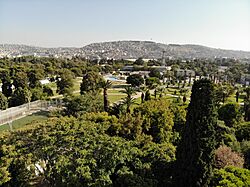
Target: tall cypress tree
x: 195, y: 152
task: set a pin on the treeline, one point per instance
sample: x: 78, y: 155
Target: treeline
x: 157, y: 143
x: 20, y: 77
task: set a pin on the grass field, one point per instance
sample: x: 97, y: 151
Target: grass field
x: 39, y: 116
x: 115, y: 98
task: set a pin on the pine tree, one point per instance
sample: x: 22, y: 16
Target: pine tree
x: 195, y: 153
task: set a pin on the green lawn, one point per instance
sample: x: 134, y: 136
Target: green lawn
x: 114, y: 91
x: 26, y: 120
x: 115, y: 98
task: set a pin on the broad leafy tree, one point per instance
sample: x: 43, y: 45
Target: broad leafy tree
x: 91, y: 81
x: 65, y: 82
x: 20, y: 80
x: 35, y: 75
x: 152, y: 82
x: 89, y: 102
x: 19, y: 97
x: 135, y: 80
x: 230, y: 113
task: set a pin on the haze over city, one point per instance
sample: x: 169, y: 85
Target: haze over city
x: 220, y: 24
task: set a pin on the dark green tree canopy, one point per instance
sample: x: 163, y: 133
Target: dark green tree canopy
x: 152, y: 82
x: 139, y: 61
x: 65, y: 82
x: 230, y: 114
x: 91, y: 81
x: 195, y: 152
x: 135, y: 80
x: 155, y: 73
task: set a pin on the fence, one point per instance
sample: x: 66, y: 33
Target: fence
x: 11, y: 114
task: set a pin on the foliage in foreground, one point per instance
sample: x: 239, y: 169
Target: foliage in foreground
x: 70, y: 152
x: 231, y: 176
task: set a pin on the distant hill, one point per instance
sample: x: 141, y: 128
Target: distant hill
x: 125, y: 50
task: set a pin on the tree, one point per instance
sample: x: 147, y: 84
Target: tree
x: 65, y: 82
x: 128, y: 100
x: 20, y: 80
x: 139, y: 61
x: 147, y: 96
x: 79, y: 152
x: 35, y: 75
x: 91, y: 81
x: 142, y: 97
x: 117, y: 109
x: 3, y: 102
x: 19, y: 97
x: 157, y: 119
x: 222, y: 92
x: 89, y: 102
x: 237, y: 96
x: 195, y: 155
x: 37, y: 93
x: 152, y: 82
x: 6, y: 83
x: 242, y: 131
x: 105, y: 85
x: 224, y: 156
x: 155, y: 73
x: 135, y: 80
x: 230, y: 114
x: 247, y: 104
x: 47, y: 91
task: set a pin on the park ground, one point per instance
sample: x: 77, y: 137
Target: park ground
x: 114, y: 95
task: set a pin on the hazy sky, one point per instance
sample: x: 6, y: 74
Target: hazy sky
x: 53, y: 23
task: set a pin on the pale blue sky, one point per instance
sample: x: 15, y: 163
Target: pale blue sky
x: 54, y: 23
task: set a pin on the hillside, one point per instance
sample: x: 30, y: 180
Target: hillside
x: 124, y: 49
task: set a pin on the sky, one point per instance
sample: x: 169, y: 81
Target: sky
x: 74, y: 23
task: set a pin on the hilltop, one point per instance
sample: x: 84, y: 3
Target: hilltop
x: 125, y: 50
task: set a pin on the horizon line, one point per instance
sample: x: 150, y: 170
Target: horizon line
x: 125, y: 40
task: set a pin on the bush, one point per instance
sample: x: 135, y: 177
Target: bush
x: 231, y: 176
x: 224, y: 156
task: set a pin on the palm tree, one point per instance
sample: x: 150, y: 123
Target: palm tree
x: 117, y: 109
x: 105, y: 86
x: 128, y: 100
x: 129, y: 91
